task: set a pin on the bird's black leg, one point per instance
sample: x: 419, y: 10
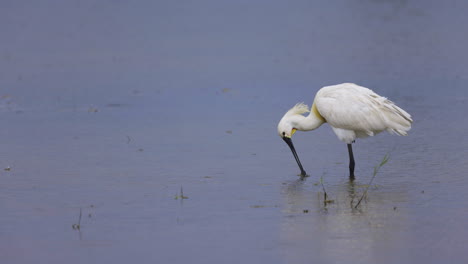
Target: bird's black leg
x: 351, y: 162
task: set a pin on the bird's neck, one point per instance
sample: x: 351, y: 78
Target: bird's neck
x: 310, y: 122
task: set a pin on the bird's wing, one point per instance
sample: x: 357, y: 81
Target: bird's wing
x: 358, y: 108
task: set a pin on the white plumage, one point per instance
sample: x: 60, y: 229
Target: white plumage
x: 351, y: 110
x: 355, y: 111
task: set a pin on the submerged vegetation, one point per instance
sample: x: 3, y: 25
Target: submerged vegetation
x: 326, y: 196
x: 376, y: 170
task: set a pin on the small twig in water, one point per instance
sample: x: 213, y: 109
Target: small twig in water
x: 323, y: 188
x: 325, y: 195
x: 181, y: 196
x: 376, y: 170
x: 78, y: 226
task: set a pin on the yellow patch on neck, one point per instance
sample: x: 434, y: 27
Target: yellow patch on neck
x: 293, y: 131
x: 316, y: 113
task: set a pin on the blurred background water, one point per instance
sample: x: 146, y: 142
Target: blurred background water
x: 115, y: 108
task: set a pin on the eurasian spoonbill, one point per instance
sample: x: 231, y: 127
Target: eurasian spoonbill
x: 352, y: 111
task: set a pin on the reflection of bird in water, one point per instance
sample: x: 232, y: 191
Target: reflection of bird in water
x: 351, y: 110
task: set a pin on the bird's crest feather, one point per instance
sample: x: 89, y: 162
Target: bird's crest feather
x: 298, y: 109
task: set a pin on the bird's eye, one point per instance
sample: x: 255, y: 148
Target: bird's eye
x: 284, y: 133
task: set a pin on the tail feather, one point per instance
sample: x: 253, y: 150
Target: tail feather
x: 398, y: 120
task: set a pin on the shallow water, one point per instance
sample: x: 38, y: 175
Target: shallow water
x: 158, y: 122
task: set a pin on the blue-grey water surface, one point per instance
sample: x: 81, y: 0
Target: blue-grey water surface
x: 157, y: 119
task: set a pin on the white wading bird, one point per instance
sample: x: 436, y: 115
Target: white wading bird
x: 351, y: 110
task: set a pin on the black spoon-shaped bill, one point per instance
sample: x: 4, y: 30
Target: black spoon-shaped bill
x: 291, y: 146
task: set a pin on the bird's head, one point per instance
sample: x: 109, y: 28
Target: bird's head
x: 286, y: 125
x: 286, y: 129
